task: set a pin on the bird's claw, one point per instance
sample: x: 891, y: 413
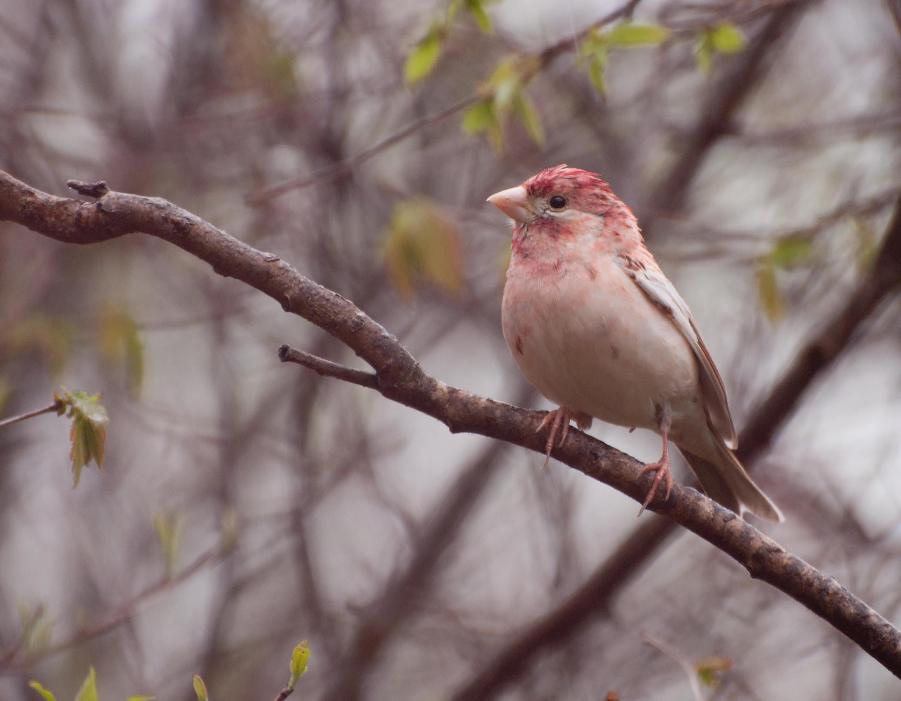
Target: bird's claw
x: 662, y: 474
x: 554, y: 418
x: 559, y: 419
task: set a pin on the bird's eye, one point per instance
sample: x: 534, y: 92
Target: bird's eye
x: 557, y: 202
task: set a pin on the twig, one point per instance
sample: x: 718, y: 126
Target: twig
x: 401, y: 379
x: 324, y: 175
x: 122, y: 613
x: 327, y: 368
x: 716, y: 115
x: 31, y: 414
x: 284, y: 693
x: 679, y: 659
x: 330, y: 172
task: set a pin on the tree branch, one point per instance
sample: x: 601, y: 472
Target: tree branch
x: 31, y: 414
x: 327, y: 368
x: 401, y: 379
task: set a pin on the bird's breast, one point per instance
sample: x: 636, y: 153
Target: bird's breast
x: 585, y: 335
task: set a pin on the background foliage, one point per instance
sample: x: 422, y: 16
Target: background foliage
x: 245, y: 505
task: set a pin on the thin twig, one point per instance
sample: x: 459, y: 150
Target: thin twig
x: 679, y: 659
x: 328, y: 173
x: 327, y: 368
x: 122, y: 613
x: 31, y: 414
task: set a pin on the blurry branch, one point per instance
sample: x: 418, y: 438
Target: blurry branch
x: 319, y: 176
x: 401, y: 379
x: 894, y: 9
x: 10, y: 659
x: 716, y: 114
x: 680, y: 660
x: 388, y: 613
x: 594, y: 597
x: 55, y: 407
x: 332, y: 171
x: 804, y: 134
x: 721, y: 241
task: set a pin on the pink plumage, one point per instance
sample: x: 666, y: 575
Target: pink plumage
x: 596, y: 326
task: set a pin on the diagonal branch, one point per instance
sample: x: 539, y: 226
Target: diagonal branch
x: 327, y: 368
x: 390, y: 611
x: 401, y: 379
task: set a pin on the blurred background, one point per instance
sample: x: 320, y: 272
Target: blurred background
x: 245, y: 504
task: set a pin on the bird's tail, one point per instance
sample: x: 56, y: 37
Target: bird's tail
x: 726, y: 482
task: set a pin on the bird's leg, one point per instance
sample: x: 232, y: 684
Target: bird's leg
x: 558, y: 420
x: 554, y: 419
x: 661, y: 467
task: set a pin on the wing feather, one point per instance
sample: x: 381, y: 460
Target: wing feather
x: 660, y: 291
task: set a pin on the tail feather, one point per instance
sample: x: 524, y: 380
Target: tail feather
x: 726, y: 482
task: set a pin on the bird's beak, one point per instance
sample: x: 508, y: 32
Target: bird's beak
x: 514, y: 202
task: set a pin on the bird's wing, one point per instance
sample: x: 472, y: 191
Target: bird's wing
x: 660, y: 291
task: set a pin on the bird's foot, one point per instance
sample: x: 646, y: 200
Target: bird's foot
x: 662, y: 473
x: 661, y: 467
x: 558, y: 420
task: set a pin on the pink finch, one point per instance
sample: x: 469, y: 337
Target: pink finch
x: 595, y: 325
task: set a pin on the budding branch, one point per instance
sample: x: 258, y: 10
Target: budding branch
x: 397, y: 376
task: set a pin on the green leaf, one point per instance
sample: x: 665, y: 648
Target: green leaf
x: 507, y: 82
x: 710, y: 669
x: 594, y: 41
x: 479, y: 117
x: 424, y: 56
x: 37, y: 628
x: 597, y: 65
x: 790, y: 251
x: 525, y: 110
x: 88, y: 432
x: 200, y: 688
x: 88, y: 690
x: 5, y: 391
x: 300, y: 657
x: 452, y: 9
x: 628, y: 34
x: 482, y: 118
x: 40, y: 635
x: 168, y: 531
x: 46, y: 695
x: 120, y: 342
x: 704, y: 54
x: 477, y: 10
x: 229, y: 528
x: 594, y: 49
x: 768, y: 291
x: 726, y: 38
x: 867, y: 244
x: 49, y: 336
x: 422, y: 245
x: 140, y: 698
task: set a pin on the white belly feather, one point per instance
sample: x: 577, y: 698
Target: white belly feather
x: 589, y: 340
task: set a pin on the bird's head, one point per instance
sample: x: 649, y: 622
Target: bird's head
x: 556, y: 199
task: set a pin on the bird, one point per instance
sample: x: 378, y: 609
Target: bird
x: 599, y: 330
